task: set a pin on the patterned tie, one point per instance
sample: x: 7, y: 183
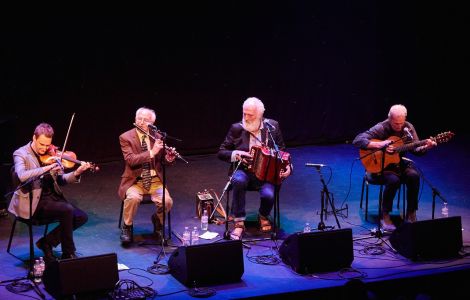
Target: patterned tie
x: 146, y: 177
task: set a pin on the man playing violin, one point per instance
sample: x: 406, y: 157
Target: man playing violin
x: 143, y: 156
x: 43, y: 189
x: 381, y: 136
x: 251, y: 131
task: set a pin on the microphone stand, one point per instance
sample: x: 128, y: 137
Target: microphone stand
x: 277, y: 219
x: 435, y: 191
x: 227, y: 186
x: 325, y: 199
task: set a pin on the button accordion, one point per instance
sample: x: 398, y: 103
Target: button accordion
x: 267, y: 163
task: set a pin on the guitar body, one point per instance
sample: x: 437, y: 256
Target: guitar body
x: 372, y: 159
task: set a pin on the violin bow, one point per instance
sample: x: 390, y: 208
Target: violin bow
x: 67, y: 137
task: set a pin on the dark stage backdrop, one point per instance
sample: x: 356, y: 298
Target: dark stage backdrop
x: 326, y: 70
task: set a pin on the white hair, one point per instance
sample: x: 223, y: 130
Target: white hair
x: 253, y: 101
x: 146, y: 109
x: 397, y: 110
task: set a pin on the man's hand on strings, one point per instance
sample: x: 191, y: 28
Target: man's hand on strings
x: 83, y: 167
x: 387, y: 144
x: 429, y: 143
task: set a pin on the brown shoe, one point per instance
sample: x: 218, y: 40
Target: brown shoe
x: 411, y: 216
x: 264, y: 224
x: 237, y: 232
x: 386, y: 222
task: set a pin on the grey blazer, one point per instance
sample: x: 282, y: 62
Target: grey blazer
x: 27, y: 166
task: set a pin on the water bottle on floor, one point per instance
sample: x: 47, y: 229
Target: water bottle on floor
x: 37, y: 273
x: 204, y: 221
x: 42, y: 263
x: 186, y: 236
x: 307, y: 227
x: 445, y: 210
x: 195, y: 236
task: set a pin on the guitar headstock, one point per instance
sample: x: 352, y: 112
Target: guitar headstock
x: 443, y: 137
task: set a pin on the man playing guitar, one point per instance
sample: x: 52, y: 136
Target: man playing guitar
x: 383, y: 141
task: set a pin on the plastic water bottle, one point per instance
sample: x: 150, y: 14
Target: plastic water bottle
x: 445, y: 210
x: 186, y: 236
x: 204, y: 221
x: 195, y: 236
x: 37, y: 271
x: 307, y: 227
x: 42, y: 263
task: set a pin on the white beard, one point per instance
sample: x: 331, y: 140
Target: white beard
x: 253, y: 126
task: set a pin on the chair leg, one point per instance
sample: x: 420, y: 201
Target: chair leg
x: 11, y: 235
x: 404, y: 200
x: 399, y: 197
x: 367, y: 199
x: 362, y: 191
x: 46, y: 228
x: 381, y: 194
x: 120, y: 214
x: 31, y: 247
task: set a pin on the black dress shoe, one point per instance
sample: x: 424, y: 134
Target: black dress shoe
x: 68, y: 255
x: 47, y: 249
x: 126, y: 234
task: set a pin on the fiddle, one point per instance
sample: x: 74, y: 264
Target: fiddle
x: 68, y: 158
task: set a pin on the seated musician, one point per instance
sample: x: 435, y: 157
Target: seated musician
x: 251, y: 131
x: 381, y: 136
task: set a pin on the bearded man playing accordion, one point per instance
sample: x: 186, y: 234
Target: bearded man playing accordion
x: 254, y: 132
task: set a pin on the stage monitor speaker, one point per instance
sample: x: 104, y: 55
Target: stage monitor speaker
x: 429, y: 239
x: 83, y: 275
x: 207, y: 264
x: 320, y: 251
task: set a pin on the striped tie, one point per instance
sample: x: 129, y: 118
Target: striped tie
x: 146, y: 177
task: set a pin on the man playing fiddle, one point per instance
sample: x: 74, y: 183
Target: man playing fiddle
x: 48, y: 201
x: 142, y: 174
x: 251, y: 131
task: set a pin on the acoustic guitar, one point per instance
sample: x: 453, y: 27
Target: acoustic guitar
x: 372, y: 159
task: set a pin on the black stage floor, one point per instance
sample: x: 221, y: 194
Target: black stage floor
x: 376, y: 268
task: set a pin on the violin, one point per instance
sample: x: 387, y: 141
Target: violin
x: 68, y: 158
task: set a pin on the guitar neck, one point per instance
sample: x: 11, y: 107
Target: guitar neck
x: 410, y: 146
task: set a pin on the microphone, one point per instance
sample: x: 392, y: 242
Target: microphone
x: 408, y: 133
x: 269, y: 125
x: 315, y: 165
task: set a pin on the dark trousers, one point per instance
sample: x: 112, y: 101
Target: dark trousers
x: 69, y: 217
x: 241, y: 182
x: 392, y: 182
